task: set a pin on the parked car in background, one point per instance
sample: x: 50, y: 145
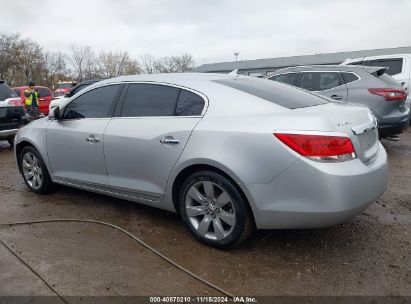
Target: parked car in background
x: 365, y: 85
x: 12, y: 113
x: 45, y: 97
x: 63, y: 87
x: 82, y: 85
x: 226, y: 152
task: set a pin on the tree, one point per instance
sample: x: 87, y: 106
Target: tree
x: 148, y: 64
x: 10, y: 53
x: 113, y: 64
x: 55, y: 68
x: 30, y: 60
x: 82, y: 60
x: 174, y: 64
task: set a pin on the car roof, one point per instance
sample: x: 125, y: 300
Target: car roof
x: 346, y: 68
x: 194, y: 81
x: 90, y: 81
x: 378, y: 57
x: 23, y: 87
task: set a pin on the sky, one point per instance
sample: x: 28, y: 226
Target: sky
x: 211, y: 30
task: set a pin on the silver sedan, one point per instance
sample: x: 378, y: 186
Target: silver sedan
x: 228, y: 153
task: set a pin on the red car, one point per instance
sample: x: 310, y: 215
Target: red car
x: 64, y: 87
x: 45, y: 97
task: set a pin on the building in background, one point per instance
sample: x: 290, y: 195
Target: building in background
x: 262, y: 67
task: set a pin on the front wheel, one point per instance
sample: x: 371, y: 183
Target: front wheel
x: 214, y: 210
x: 34, y: 171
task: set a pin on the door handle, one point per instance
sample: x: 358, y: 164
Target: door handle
x: 92, y: 139
x: 336, y: 97
x: 169, y: 141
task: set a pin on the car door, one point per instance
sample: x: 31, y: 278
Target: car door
x: 327, y: 83
x: 147, y: 137
x: 75, y: 142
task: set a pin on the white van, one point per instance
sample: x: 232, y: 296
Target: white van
x: 399, y: 67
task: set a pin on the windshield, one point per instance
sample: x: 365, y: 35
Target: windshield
x: 65, y: 85
x: 6, y: 91
x: 275, y: 92
x: 44, y: 92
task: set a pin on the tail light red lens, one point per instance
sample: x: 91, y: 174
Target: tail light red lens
x: 390, y: 94
x: 15, y: 102
x: 319, y: 147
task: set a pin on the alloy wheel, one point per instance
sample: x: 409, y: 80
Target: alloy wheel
x: 210, y: 210
x: 33, y: 174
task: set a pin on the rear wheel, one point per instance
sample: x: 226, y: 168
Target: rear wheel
x: 34, y: 171
x: 214, y: 210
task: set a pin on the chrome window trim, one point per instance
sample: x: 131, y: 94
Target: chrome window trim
x: 273, y: 75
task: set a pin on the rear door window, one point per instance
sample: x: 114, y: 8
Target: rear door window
x: 17, y: 91
x: 189, y: 104
x: 319, y: 81
x: 288, y: 78
x: 282, y: 95
x: 150, y: 100
x: 6, y: 91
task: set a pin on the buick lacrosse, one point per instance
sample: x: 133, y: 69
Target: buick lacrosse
x: 228, y: 153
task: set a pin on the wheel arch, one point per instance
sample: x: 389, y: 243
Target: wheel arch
x: 21, y: 145
x: 189, y: 169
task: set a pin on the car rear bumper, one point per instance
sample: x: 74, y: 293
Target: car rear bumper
x: 8, y: 133
x: 310, y: 194
x: 394, y: 128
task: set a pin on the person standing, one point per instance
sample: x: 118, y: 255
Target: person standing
x: 32, y: 100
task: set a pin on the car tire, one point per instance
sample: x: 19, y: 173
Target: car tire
x: 214, y: 210
x: 11, y: 141
x: 34, y: 171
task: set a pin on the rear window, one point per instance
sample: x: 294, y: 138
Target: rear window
x: 282, y: 95
x: 44, y: 92
x: 393, y: 65
x: 6, y: 91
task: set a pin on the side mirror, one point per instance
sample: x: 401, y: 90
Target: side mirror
x: 55, y: 113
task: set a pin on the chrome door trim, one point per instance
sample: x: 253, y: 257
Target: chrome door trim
x: 126, y: 193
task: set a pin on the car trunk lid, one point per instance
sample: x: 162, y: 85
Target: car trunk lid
x: 355, y: 121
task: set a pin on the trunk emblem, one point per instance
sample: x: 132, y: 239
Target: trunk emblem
x: 343, y: 124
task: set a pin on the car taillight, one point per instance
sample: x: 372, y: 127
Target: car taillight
x: 14, y: 102
x: 319, y: 147
x: 390, y: 94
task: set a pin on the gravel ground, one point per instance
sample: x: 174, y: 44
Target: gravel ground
x: 367, y: 256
